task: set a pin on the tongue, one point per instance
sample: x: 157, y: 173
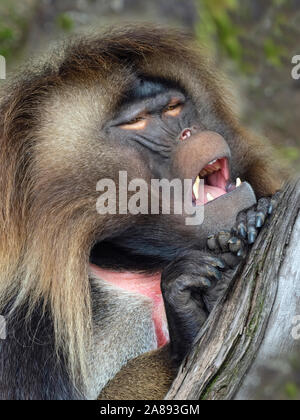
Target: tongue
x: 215, y: 185
x: 215, y: 192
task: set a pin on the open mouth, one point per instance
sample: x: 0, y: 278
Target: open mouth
x: 216, y: 177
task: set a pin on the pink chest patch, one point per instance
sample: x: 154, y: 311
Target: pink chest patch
x: 144, y: 285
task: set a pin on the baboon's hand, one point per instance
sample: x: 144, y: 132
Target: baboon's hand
x: 245, y: 232
x: 232, y: 247
x: 185, y: 283
x: 251, y: 221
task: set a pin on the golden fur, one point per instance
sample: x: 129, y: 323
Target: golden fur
x: 50, y: 120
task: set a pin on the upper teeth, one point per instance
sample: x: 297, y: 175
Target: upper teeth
x: 238, y: 182
x: 210, y: 169
x: 196, y: 187
x: 212, y: 162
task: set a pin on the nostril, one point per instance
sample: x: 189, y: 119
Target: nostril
x: 186, y: 134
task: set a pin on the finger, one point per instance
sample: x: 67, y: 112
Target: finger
x: 251, y: 226
x: 211, y: 272
x: 241, y: 223
x: 261, y: 212
x: 231, y: 260
x: 204, y: 283
x: 194, y: 282
x: 274, y: 202
x: 235, y: 244
x: 242, y: 253
x: 223, y: 239
x: 214, y: 262
x: 212, y: 243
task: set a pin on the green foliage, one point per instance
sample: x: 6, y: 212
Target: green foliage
x: 12, y: 27
x: 280, y: 3
x: 290, y: 154
x: 7, y: 38
x: 223, y: 28
x: 273, y: 52
x: 217, y: 29
x: 65, y: 22
x: 292, y: 391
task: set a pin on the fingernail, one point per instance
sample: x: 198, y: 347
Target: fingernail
x: 221, y: 264
x: 259, y: 222
x: 242, y: 232
x: 206, y: 283
x: 251, y: 237
x: 241, y: 253
x: 216, y: 274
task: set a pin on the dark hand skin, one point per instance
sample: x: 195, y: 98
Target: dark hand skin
x: 250, y: 222
x: 188, y: 282
x: 184, y: 283
x: 245, y: 231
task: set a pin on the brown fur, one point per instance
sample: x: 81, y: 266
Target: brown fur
x: 48, y: 174
x: 144, y: 378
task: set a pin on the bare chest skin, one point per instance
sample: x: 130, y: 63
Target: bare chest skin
x: 145, y: 285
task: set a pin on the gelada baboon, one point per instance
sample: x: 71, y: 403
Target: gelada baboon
x: 81, y: 291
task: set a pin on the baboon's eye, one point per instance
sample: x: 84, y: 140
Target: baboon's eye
x: 173, y: 109
x: 138, y: 123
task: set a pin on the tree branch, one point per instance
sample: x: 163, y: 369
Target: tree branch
x: 238, y: 326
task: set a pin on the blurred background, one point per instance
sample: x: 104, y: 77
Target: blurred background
x: 252, y: 41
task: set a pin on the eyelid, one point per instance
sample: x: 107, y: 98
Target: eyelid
x: 138, y: 123
x: 174, y: 108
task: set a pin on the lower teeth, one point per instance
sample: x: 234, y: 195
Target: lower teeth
x: 238, y: 182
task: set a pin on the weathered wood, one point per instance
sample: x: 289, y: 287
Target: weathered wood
x: 253, y: 318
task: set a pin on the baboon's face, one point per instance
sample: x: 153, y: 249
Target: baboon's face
x: 153, y: 130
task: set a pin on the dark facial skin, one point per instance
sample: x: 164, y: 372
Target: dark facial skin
x: 150, y: 119
x: 153, y: 119
x: 152, y: 122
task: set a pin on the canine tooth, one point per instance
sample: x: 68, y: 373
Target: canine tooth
x: 238, y: 182
x: 196, y: 187
x: 209, y: 197
x: 213, y: 161
x: 214, y: 168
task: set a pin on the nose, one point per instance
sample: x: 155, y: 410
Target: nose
x: 187, y: 132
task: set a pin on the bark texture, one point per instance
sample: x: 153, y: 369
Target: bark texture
x: 253, y: 322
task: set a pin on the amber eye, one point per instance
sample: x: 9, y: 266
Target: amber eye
x: 138, y: 123
x: 173, y: 109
